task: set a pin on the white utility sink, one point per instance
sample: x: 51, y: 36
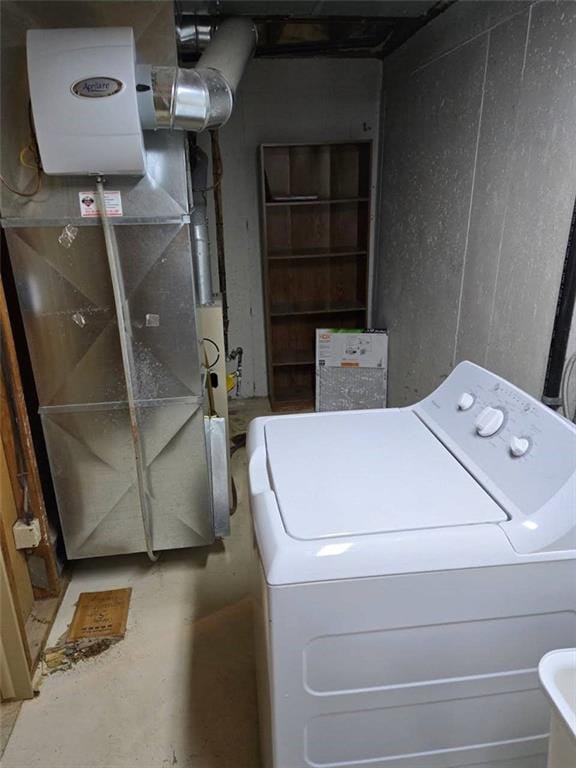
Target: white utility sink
x: 557, y: 672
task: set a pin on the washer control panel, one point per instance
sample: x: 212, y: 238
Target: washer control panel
x: 522, y: 452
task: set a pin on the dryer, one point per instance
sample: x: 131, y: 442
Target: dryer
x: 415, y: 565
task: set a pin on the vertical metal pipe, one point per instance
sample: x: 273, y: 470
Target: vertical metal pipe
x: 124, y: 325
x: 201, y: 252
x: 199, y: 225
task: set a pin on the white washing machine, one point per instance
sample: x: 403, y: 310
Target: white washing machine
x: 416, y: 564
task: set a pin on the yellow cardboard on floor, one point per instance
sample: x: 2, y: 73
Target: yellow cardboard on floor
x: 100, y: 614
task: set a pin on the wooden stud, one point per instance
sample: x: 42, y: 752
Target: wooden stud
x: 24, y: 435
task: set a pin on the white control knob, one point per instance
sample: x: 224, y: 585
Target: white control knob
x: 466, y: 401
x: 519, y: 446
x: 489, y: 421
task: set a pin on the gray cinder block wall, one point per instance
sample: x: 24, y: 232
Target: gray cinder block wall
x: 478, y: 179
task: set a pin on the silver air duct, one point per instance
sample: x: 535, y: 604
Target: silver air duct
x: 200, y: 98
x: 197, y: 34
x: 199, y: 224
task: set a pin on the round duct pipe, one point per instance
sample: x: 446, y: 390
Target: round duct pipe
x: 201, y: 98
x: 196, y: 34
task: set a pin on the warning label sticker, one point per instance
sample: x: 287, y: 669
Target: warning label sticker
x: 89, y: 204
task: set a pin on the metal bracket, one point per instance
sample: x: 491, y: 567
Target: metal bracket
x: 217, y: 447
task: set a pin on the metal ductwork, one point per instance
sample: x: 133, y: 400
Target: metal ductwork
x: 203, y: 97
x: 138, y: 461
x: 199, y: 225
x: 196, y: 34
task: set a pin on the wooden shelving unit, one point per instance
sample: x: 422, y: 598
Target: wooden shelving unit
x: 315, y: 229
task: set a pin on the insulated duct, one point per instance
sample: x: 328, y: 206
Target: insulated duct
x: 200, y: 98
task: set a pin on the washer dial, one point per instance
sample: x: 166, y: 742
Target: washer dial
x: 489, y: 421
x: 466, y: 401
x: 519, y: 446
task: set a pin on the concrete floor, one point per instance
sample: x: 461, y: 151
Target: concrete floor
x: 179, y: 689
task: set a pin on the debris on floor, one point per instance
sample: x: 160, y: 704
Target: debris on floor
x: 99, y: 622
x: 62, y: 657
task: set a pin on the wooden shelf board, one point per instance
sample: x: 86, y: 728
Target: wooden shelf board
x: 320, y: 253
x: 285, y: 310
x: 303, y: 358
x: 319, y: 201
x: 303, y: 404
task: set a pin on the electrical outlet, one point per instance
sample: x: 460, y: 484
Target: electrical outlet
x: 27, y: 535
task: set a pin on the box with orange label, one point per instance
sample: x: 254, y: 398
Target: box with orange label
x: 351, y: 368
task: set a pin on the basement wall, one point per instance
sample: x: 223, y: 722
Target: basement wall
x: 478, y: 184
x: 283, y: 101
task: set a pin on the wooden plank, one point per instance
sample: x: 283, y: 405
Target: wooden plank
x: 40, y: 622
x: 265, y: 246
x: 35, y: 495
x: 318, y: 253
x: 278, y: 166
x: 278, y: 229
x: 319, y: 201
x: 313, y: 308
x: 294, y: 383
x: 15, y: 560
x: 310, y: 171
x: 10, y: 445
x: 345, y: 181
x: 15, y: 676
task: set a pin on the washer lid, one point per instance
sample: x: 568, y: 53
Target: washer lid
x: 338, y: 474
